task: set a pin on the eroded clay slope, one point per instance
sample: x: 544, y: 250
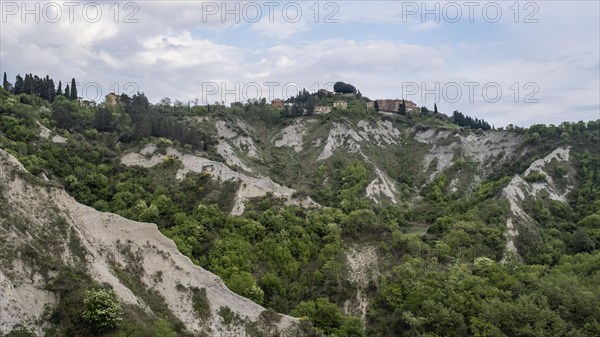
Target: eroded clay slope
x: 107, y: 242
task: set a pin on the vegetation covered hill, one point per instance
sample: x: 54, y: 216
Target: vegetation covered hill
x: 361, y: 223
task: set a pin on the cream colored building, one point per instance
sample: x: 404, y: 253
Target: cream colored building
x: 322, y: 109
x: 340, y: 104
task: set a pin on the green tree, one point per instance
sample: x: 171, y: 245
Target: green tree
x: 19, y: 85
x: 102, y: 310
x: 243, y: 283
x: 162, y: 329
x: 581, y: 242
x: 344, y: 88
x: 28, y: 84
x: 5, y: 84
x: 73, y: 89
x: 59, y: 91
x: 324, y: 314
x: 104, y: 120
x: 310, y: 106
x: 352, y: 327
x: 402, y: 108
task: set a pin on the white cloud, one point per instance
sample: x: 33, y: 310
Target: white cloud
x: 173, y: 49
x: 183, y: 51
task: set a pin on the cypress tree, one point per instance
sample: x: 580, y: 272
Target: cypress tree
x: 67, y: 92
x: 73, y: 89
x: 50, y: 91
x: 59, y: 90
x: 435, y: 110
x: 28, y: 84
x: 402, y: 108
x: 19, y: 85
x: 5, y: 83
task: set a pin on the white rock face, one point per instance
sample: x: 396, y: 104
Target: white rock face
x: 486, y: 150
x: 431, y: 136
x: 380, y: 134
x: 363, y: 262
x: 23, y: 302
x: 231, y: 158
x: 47, y: 134
x: 380, y: 187
x: 251, y: 186
x: 23, y: 297
x: 518, y: 190
x: 243, y: 142
x: 293, y: 135
x: 339, y: 136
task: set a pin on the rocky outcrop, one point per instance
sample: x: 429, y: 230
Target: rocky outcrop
x: 251, y: 187
x: 518, y: 190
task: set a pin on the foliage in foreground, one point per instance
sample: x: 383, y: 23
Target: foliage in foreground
x: 441, y: 275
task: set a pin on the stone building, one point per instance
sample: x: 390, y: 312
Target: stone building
x: 277, y: 103
x: 392, y: 105
x: 340, y: 104
x: 322, y: 109
x: 111, y: 100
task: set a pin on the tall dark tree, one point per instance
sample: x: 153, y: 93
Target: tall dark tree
x: 139, y: 110
x: 402, y: 108
x: 125, y: 99
x: 59, y: 91
x: 297, y: 110
x: 5, y: 84
x: 38, y: 86
x: 28, y: 84
x: 50, y: 91
x: 377, y: 106
x: 435, y: 110
x: 63, y: 117
x: 285, y: 112
x: 310, y: 106
x: 67, y: 92
x: 73, y: 89
x: 474, y: 123
x: 104, y: 120
x: 19, y: 85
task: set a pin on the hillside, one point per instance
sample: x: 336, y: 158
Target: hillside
x: 50, y: 243
x: 357, y: 223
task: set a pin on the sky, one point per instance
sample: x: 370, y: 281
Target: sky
x: 507, y: 62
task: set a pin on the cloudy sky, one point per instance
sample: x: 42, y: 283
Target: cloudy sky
x: 506, y: 62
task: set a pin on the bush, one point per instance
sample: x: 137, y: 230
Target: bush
x: 324, y: 314
x: 200, y: 303
x: 20, y: 332
x: 102, y: 310
x: 243, y: 283
x: 535, y: 177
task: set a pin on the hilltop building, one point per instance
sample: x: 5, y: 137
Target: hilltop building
x: 111, y: 100
x: 392, y: 105
x: 322, y: 109
x: 340, y: 104
x: 277, y: 103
